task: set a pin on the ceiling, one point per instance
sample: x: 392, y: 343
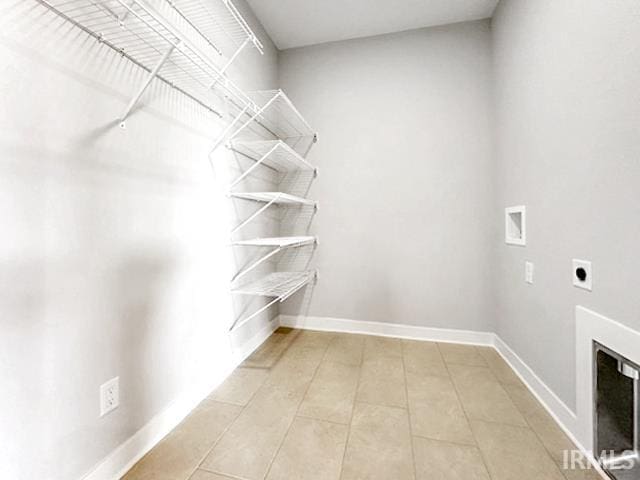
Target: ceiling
x: 296, y: 23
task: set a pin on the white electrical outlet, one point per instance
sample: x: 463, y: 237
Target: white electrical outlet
x: 109, y: 396
x: 528, y: 272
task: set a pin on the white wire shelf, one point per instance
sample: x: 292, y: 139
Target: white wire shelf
x: 217, y: 20
x: 275, y: 198
x: 275, y: 244
x: 275, y: 154
x: 275, y: 114
x: 140, y: 33
x: 269, y: 199
x: 279, y: 115
x: 279, y: 242
x: 280, y: 285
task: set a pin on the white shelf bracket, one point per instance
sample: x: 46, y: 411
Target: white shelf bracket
x: 248, y: 171
x: 238, y: 323
x: 146, y: 84
x: 256, y: 214
x: 295, y: 288
x: 230, y: 61
x: 255, y: 264
x: 244, y: 25
x: 255, y: 115
x: 228, y: 128
x: 124, y: 16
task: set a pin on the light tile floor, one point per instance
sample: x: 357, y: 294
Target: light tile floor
x: 314, y: 405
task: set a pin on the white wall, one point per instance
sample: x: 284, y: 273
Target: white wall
x: 405, y: 183
x: 568, y: 147
x: 113, y: 253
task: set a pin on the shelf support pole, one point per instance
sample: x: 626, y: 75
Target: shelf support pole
x: 146, y: 84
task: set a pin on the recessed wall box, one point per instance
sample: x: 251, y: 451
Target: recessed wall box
x: 515, y: 225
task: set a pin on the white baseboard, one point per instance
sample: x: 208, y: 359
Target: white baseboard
x: 556, y: 407
x: 387, y: 329
x: 116, y: 464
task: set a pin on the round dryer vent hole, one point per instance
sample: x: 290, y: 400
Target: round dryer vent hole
x: 582, y: 274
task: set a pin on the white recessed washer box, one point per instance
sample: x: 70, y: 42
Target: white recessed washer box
x: 515, y: 225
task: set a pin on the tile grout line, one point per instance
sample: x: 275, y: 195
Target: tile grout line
x: 385, y: 405
x: 526, y: 419
x: 215, y: 442
x: 353, y: 409
x: 227, y: 475
x: 466, y: 416
x: 450, y: 442
x: 295, y: 415
x: 522, y: 385
x: 244, y: 407
x: 406, y: 390
x: 332, y: 422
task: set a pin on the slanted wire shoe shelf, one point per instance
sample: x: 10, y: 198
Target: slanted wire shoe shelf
x: 190, y: 45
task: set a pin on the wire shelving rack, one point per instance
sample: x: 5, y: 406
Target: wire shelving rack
x: 179, y: 51
x: 190, y: 45
x: 289, y: 139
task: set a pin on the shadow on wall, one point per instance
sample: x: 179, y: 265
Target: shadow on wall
x: 22, y: 366
x: 142, y: 286
x: 297, y: 220
x: 22, y: 294
x: 131, y: 332
x: 300, y: 302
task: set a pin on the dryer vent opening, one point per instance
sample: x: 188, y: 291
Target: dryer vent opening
x: 616, y: 413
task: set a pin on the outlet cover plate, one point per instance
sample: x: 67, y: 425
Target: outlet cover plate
x: 587, y: 283
x: 109, y: 396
